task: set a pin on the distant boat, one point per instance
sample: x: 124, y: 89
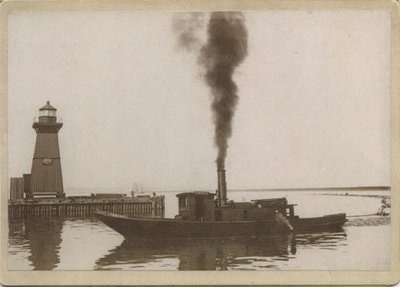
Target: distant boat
x: 136, y: 190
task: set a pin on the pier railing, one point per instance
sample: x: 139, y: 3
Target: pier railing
x: 152, y: 206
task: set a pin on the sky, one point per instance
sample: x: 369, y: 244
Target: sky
x: 313, y: 105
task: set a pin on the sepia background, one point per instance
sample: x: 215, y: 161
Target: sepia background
x: 313, y: 105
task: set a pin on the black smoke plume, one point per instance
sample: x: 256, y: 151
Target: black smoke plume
x: 225, y: 49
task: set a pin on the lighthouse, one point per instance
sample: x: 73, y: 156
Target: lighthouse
x: 46, y: 175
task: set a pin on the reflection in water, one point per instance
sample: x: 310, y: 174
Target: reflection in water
x: 39, y: 241
x: 70, y: 244
x: 325, y: 240
x: 42, y: 236
x: 215, y: 253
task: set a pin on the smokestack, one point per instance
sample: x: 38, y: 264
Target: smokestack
x: 222, y: 194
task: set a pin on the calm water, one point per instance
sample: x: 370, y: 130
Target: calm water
x: 87, y: 244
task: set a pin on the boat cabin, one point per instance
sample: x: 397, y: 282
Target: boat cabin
x: 201, y: 206
x: 196, y: 206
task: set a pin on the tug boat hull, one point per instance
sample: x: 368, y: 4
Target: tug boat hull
x: 133, y: 227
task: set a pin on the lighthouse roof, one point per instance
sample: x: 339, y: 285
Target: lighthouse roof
x: 48, y: 107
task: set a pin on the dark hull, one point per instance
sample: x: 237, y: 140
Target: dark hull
x: 171, y: 228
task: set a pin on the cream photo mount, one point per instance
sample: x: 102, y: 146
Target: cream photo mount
x: 8, y: 277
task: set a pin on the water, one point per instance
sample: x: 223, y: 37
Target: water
x: 87, y: 244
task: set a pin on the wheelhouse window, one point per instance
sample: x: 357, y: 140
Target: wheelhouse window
x: 183, y: 202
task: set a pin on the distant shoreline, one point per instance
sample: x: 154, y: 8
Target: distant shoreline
x: 322, y: 189
x: 359, y: 188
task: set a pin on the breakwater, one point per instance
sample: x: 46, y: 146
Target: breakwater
x: 85, y: 207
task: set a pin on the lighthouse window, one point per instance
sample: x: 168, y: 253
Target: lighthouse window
x: 47, y: 113
x: 47, y: 161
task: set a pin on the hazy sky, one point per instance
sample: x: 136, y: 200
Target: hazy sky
x: 313, y: 108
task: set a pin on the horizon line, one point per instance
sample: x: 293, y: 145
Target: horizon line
x: 379, y: 187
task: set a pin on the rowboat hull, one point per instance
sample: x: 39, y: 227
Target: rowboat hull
x: 171, y: 228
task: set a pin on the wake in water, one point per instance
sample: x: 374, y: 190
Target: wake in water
x: 368, y: 220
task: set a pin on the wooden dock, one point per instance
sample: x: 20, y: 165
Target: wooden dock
x: 70, y: 207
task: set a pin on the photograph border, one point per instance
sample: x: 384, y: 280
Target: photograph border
x: 203, y: 277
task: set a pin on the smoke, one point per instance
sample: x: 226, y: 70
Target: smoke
x: 225, y: 50
x: 187, y: 27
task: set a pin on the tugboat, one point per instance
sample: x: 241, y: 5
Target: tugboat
x: 202, y: 215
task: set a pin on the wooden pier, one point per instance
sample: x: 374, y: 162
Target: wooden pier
x: 70, y: 207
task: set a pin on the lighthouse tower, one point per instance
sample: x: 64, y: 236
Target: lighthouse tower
x: 46, y: 176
